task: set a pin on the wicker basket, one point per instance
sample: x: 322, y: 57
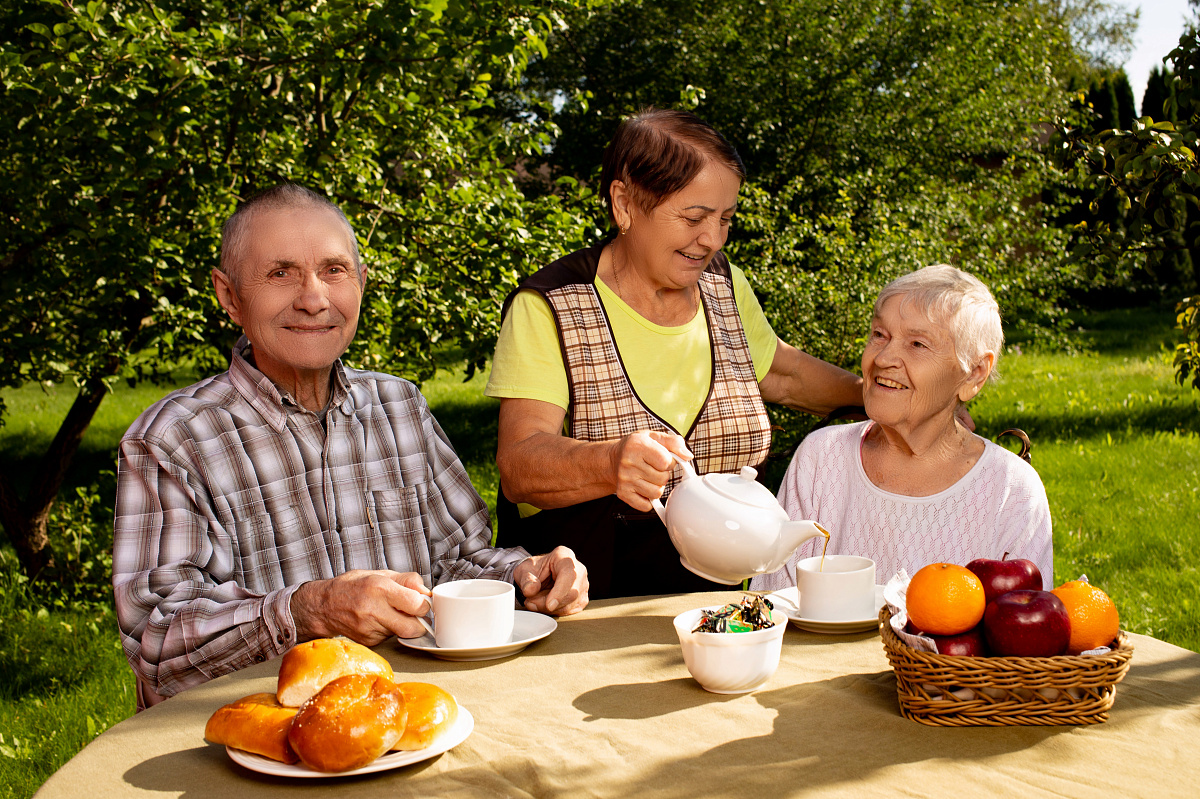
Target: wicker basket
x: 947, y: 691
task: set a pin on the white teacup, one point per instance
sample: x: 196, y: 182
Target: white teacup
x: 472, y: 614
x: 843, y: 591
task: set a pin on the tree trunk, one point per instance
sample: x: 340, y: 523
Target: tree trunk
x: 24, y: 519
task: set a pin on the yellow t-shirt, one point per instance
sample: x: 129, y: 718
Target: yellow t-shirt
x: 669, y: 367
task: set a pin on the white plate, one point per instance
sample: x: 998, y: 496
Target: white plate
x: 527, y: 628
x: 788, y: 600
x: 452, y: 738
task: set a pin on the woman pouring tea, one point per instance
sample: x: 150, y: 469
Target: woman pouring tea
x: 912, y: 486
x: 646, y: 346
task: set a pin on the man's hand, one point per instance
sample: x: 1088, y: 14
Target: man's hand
x: 555, y: 583
x: 365, y: 606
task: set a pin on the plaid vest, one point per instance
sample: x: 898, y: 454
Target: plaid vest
x: 732, y: 429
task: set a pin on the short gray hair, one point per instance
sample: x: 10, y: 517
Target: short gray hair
x: 285, y: 195
x: 958, y: 300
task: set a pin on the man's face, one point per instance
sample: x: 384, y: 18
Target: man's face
x: 297, y: 292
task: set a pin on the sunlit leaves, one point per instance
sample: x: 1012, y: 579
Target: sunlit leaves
x: 133, y: 129
x: 1150, y: 175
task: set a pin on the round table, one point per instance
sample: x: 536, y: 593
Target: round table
x: 604, y: 706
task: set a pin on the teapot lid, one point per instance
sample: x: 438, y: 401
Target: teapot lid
x: 742, y: 487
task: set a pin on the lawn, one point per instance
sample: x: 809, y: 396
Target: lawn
x: 1116, y: 442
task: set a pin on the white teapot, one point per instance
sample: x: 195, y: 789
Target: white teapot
x: 729, y: 527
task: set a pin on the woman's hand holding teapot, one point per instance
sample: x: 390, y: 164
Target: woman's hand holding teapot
x: 642, y: 463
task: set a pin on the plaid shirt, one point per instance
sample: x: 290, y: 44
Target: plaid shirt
x: 229, y: 496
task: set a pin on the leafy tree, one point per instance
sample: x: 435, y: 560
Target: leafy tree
x: 1100, y: 30
x: 1150, y: 172
x: 809, y: 87
x: 132, y: 129
x: 879, y: 137
x: 1111, y: 98
x: 1158, y: 101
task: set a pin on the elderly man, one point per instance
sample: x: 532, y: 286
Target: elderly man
x: 290, y: 497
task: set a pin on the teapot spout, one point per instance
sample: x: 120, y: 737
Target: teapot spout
x: 793, y: 534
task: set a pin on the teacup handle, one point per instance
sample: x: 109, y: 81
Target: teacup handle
x: 426, y: 625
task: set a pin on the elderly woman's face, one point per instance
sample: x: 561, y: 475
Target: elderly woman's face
x: 911, y: 374
x: 677, y: 240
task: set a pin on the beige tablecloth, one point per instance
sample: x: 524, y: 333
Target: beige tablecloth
x: 605, y: 707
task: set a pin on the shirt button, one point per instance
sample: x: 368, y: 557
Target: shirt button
x: 281, y: 639
x: 259, y: 658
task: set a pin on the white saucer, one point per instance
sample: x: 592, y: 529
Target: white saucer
x: 788, y: 601
x: 527, y: 628
x: 452, y: 738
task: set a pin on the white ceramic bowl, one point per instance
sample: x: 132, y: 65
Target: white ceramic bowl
x: 730, y: 663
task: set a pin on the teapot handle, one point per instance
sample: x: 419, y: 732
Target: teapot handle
x: 688, y: 474
x: 685, y: 466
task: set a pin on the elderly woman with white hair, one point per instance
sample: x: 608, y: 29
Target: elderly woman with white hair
x: 911, y: 485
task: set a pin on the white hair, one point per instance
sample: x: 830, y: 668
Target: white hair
x: 957, y: 300
x: 284, y: 196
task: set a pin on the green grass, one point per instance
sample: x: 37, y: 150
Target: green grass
x: 1116, y: 442
x: 63, y: 681
x: 471, y: 422
x: 34, y: 412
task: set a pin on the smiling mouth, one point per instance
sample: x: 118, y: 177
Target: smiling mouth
x: 885, y: 383
x: 696, y: 258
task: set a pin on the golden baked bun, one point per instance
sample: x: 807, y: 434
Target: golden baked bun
x: 349, y: 723
x: 431, y: 711
x: 307, y: 668
x: 255, y: 723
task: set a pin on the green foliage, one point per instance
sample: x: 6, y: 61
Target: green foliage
x: 1187, y: 353
x: 1149, y: 173
x: 1158, y: 101
x: 879, y: 137
x: 132, y: 129
x: 1102, y: 32
x: 1111, y: 99
x: 80, y: 532
x: 815, y: 88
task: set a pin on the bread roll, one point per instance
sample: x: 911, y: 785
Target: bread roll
x: 349, y: 723
x: 255, y: 723
x: 431, y: 711
x: 309, y: 667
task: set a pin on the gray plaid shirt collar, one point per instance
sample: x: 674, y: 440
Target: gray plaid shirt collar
x: 266, y: 397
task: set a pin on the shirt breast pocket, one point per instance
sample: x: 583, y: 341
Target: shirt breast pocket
x: 272, y: 550
x: 398, y: 523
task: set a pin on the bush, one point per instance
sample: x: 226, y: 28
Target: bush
x: 80, y: 575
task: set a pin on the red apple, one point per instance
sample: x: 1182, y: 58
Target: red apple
x: 1027, y: 624
x: 969, y: 644
x: 1001, y: 576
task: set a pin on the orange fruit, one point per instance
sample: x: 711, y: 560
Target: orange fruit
x: 1094, y: 618
x: 945, y: 599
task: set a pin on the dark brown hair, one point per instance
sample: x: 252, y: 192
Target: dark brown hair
x: 656, y: 152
